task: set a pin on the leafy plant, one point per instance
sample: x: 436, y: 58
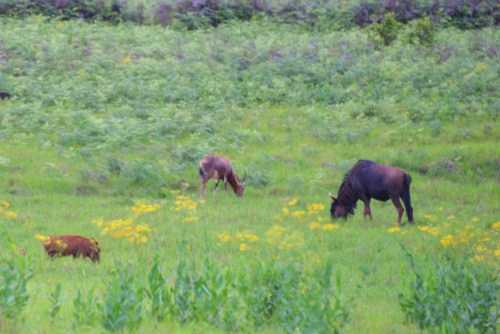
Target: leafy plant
x: 56, y: 300
x: 85, y: 310
x: 121, y: 307
x: 422, y: 32
x: 14, y: 295
x: 386, y: 31
x: 455, y: 295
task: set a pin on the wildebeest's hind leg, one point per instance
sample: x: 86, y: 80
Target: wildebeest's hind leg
x: 367, y: 211
x: 409, y: 208
x: 399, y: 207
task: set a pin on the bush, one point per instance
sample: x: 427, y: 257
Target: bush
x: 121, y: 307
x: 251, y: 297
x: 422, y: 32
x: 13, y: 288
x: 386, y: 31
x: 455, y: 296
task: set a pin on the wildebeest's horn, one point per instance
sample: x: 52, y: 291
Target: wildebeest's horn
x: 331, y: 196
x: 244, y: 177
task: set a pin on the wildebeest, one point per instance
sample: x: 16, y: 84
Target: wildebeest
x: 219, y: 168
x: 4, y: 95
x: 367, y: 180
x: 74, y: 245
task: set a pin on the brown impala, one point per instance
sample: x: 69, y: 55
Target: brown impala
x: 219, y: 168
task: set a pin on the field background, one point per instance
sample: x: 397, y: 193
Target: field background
x: 107, y: 122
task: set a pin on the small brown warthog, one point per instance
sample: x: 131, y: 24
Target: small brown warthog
x: 75, y: 245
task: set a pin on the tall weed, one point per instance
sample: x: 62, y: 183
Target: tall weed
x: 14, y: 277
x: 121, y: 307
x: 454, y: 295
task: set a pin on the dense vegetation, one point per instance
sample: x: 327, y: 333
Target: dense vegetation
x: 315, y: 15
x: 101, y: 128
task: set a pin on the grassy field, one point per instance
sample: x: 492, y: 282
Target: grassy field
x: 103, y: 131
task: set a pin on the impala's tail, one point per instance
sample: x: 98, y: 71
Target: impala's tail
x: 202, y: 173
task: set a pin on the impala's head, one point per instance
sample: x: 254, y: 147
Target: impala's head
x: 241, y: 186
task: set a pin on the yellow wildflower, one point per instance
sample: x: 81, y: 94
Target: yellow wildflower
x: 298, y: 213
x: 314, y: 225
x: 285, y: 211
x: 275, y: 231
x: 329, y: 227
x: 11, y: 214
x: 447, y: 241
x: 478, y: 258
x: 451, y: 217
x: 497, y: 252
x: 243, y: 247
x: 6, y: 204
x: 224, y: 237
x: 126, y: 60
x: 475, y: 219
x: 481, y: 248
x: 41, y: 237
x: 432, y: 218
x: 393, y: 229
x: 496, y: 226
x: 312, y: 208
x: 293, y: 202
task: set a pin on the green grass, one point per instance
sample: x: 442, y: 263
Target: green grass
x: 102, y: 117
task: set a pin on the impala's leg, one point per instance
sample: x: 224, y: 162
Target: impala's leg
x: 399, y: 207
x: 203, y: 188
x: 216, y: 186
x: 225, y: 183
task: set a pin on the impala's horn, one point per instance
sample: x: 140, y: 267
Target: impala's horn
x: 331, y: 196
x: 244, y: 178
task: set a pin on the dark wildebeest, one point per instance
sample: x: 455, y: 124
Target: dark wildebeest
x: 367, y: 180
x: 75, y: 245
x: 219, y: 168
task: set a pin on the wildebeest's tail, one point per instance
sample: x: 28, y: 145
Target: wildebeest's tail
x: 407, y: 198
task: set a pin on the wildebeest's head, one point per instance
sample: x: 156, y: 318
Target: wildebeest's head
x: 339, y: 210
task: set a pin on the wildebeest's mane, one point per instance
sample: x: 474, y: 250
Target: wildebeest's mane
x: 347, y: 195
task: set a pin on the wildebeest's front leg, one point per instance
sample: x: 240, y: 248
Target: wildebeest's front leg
x: 399, y: 207
x: 367, y: 211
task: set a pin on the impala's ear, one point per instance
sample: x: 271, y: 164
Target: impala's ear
x: 331, y: 196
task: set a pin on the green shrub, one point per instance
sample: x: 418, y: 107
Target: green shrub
x: 13, y: 288
x: 56, y: 300
x: 422, y: 32
x: 85, y: 310
x: 121, y: 307
x: 386, y: 31
x: 250, y: 297
x: 455, y: 296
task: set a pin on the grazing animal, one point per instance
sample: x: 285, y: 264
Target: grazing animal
x: 367, y: 180
x: 75, y: 245
x: 219, y: 168
x: 4, y: 95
